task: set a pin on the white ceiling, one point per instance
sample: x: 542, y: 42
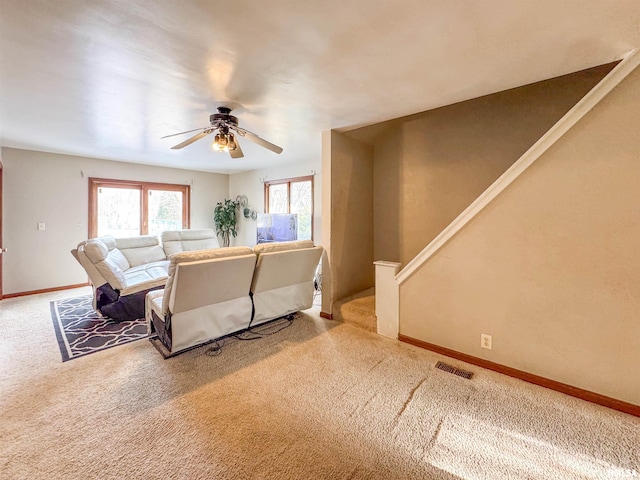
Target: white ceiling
x: 108, y: 78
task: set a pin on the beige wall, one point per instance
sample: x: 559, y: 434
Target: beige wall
x: 351, y: 231
x: 429, y: 167
x: 550, y: 269
x: 49, y: 188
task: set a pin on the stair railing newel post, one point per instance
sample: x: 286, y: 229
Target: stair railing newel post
x: 225, y: 219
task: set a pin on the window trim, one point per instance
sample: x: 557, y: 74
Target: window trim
x: 289, y: 181
x: 96, y: 183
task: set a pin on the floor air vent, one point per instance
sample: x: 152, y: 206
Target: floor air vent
x: 454, y: 370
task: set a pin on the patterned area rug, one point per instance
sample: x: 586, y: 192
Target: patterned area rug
x: 80, y: 330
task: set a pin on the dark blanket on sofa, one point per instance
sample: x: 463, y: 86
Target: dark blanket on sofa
x: 118, y: 308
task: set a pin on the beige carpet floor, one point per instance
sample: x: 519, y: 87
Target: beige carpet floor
x: 358, y: 309
x: 319, y: 400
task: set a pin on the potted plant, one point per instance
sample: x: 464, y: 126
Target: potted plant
x: 225, y: 219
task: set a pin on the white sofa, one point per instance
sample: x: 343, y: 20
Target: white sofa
x: 175, y: 241
x: 121, y: 271
x: 212, y: 293
x: 206, y: 297
x: 283, y: 279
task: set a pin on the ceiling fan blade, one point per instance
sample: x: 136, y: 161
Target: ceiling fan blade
x: 237, y: 153
x: 189, y: 141
x: 256, y: 139
x: 181, y: 133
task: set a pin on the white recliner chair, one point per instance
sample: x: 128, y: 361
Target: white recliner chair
x: 123, y: 270
x: 283, y: 278
x: 206, y: 297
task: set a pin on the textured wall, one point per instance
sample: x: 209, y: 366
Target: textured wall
x: 351, y: 231
x: 429, y: 167
x: 551, y: 268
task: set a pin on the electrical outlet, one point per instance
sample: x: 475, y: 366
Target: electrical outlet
x: 485, y: 341
x: 41, y: 226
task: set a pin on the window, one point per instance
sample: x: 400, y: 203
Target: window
x: 125, y: 208
x: 292, y: 195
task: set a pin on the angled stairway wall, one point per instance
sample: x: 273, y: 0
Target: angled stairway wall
x: 392, y: 187
x: 430, y: 166
x: 550, y: 267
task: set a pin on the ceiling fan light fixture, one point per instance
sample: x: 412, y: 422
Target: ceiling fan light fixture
x: 224, y: 141
x: 220, y: 143
x: 231, y: 142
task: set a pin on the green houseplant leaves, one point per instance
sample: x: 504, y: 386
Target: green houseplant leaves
x: 225, y: 219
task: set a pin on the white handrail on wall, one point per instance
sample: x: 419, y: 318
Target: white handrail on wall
x: 630, y: 61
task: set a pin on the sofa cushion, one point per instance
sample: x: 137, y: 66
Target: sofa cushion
x: 111, y: 273
x: 145, y: 276
x: 282, y: 246
x: 154, y: 301
x: 111, y: 264
x: 95, y: 277
x: 188, y: 240
x: 148, y: 271
x: 109, y: 241
x: 280, y: 269
x: 141, y: 250
x: 118, y: 259
x: 283, y: 282
x: 96, y: 250
x: 137, y: 242
x: 196, y: 256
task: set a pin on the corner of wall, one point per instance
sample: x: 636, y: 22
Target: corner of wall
x: 351, y: 230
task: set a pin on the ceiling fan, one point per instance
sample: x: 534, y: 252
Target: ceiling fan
x: 225, y: 124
